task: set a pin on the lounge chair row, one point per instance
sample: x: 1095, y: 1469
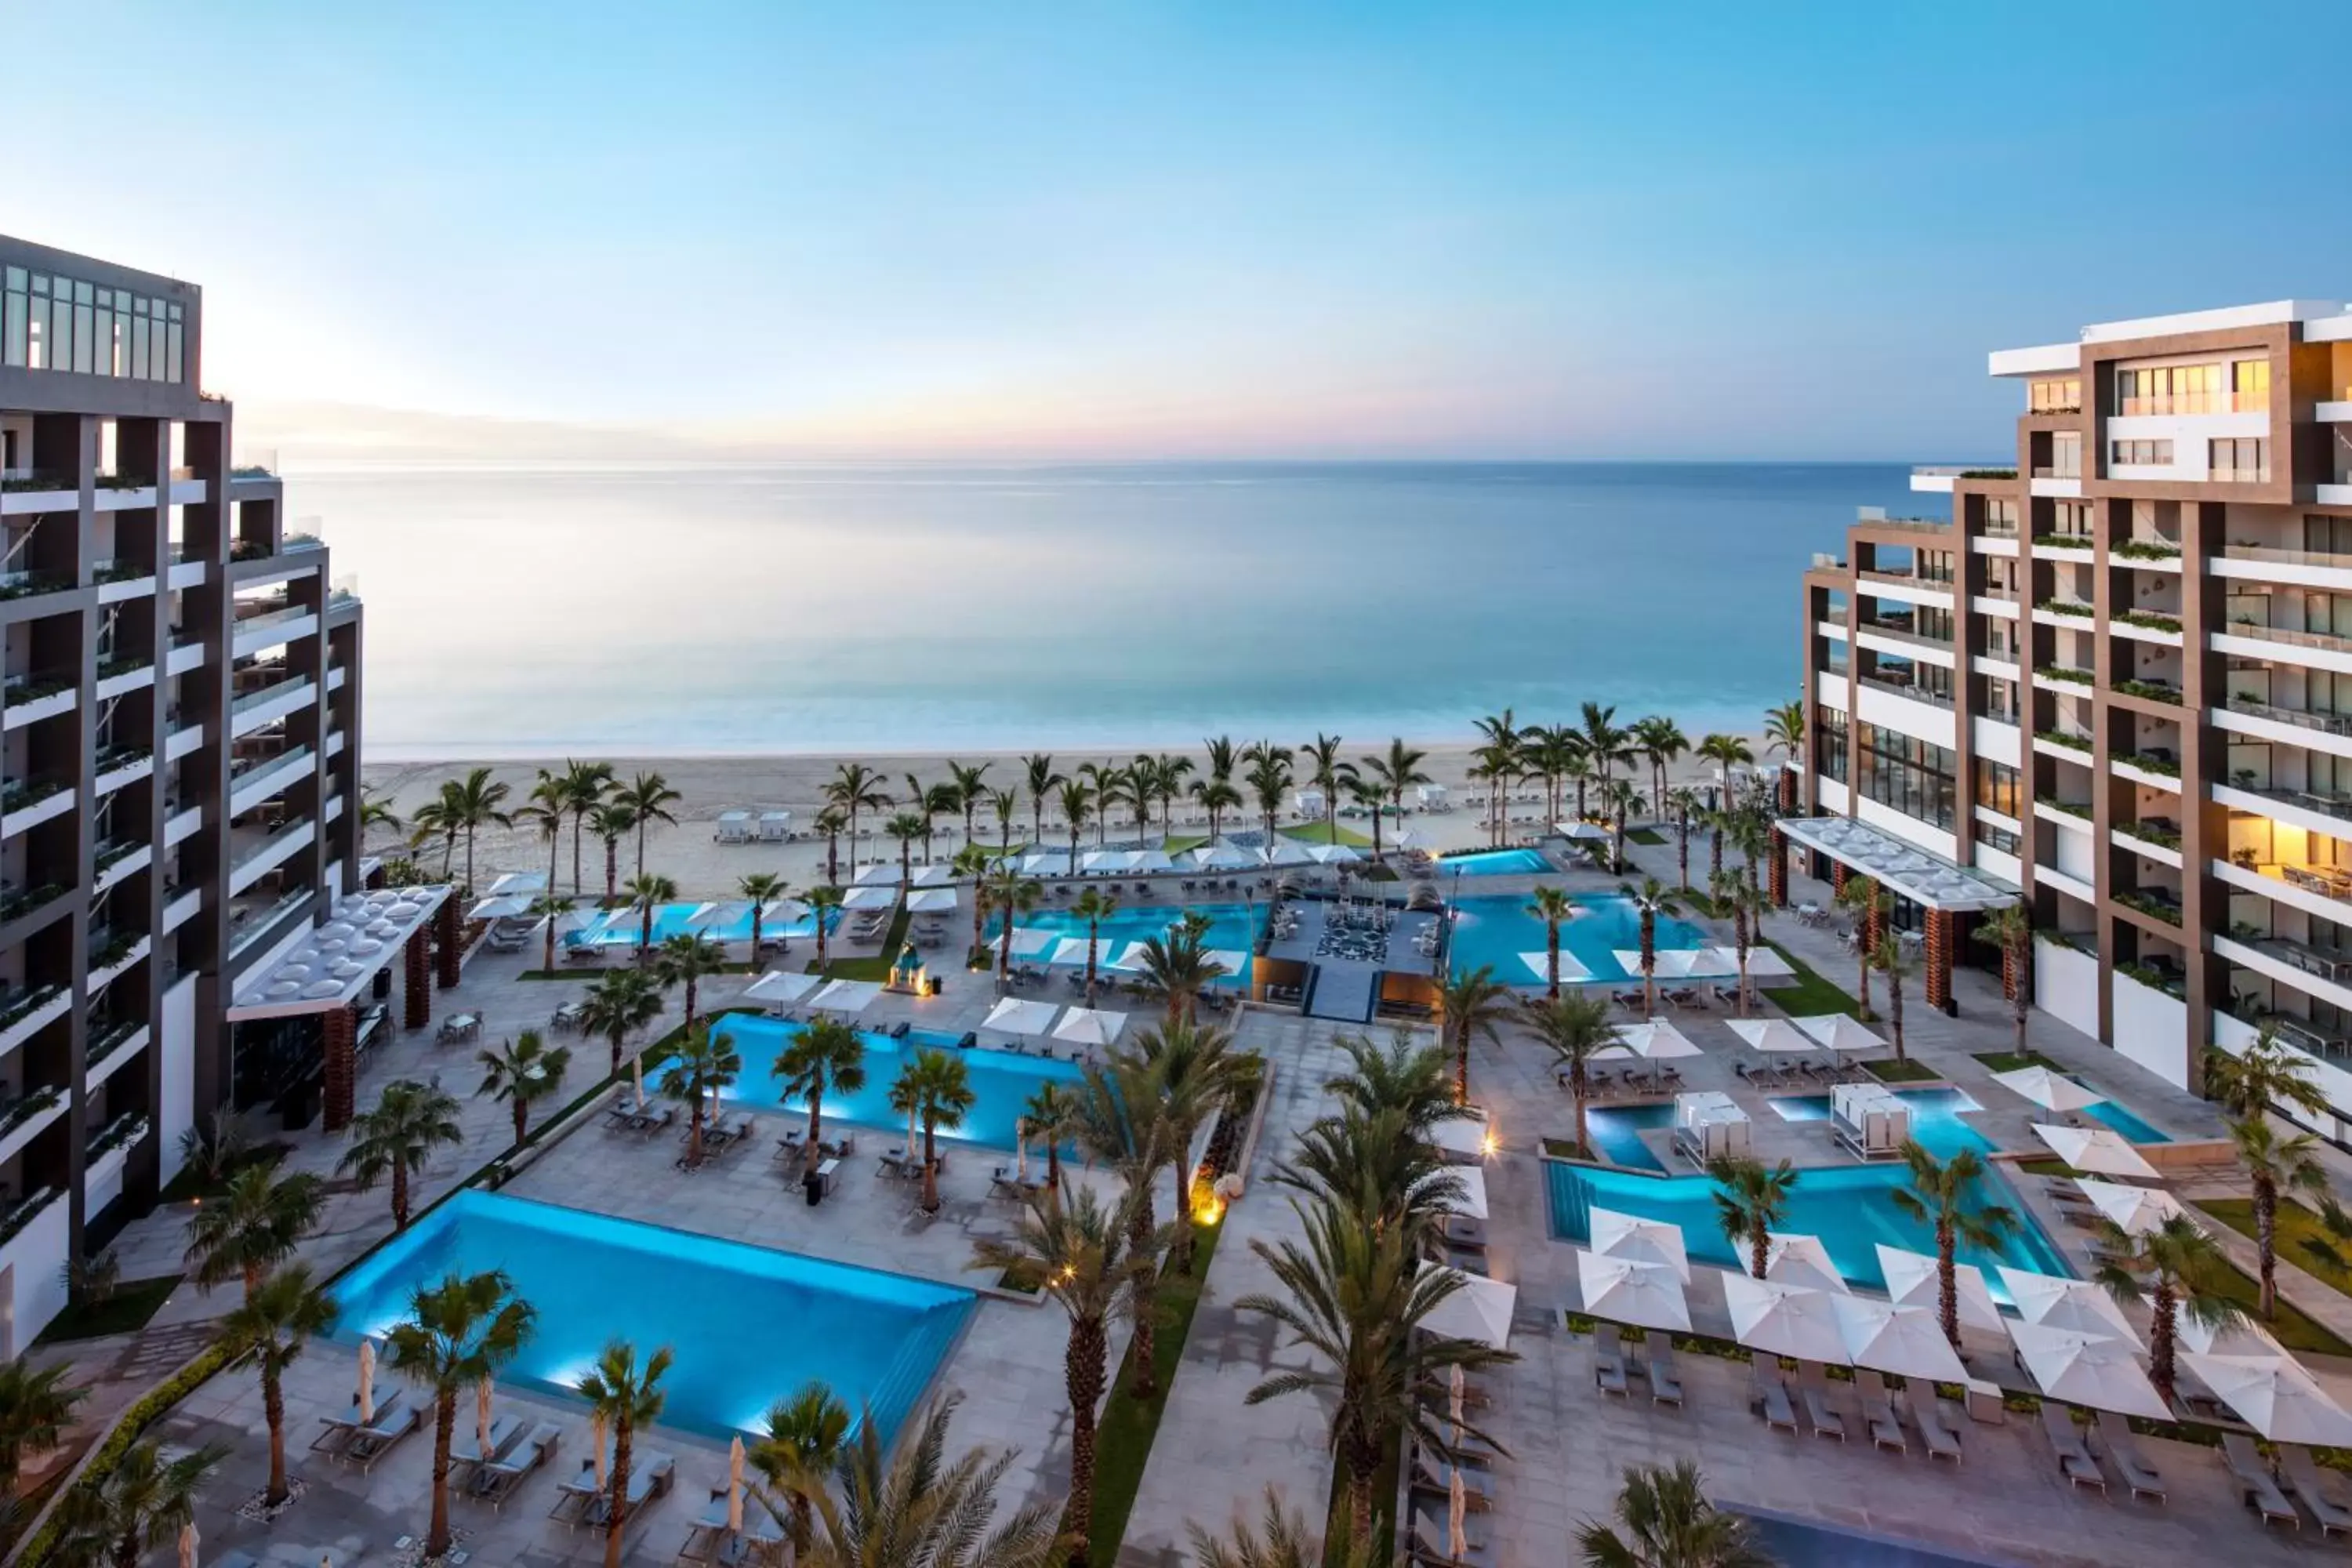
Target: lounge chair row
x: 1882, y: 1417
x: 1429, y: 1487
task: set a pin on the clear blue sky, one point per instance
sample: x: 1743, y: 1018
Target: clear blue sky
x: 1481, y: 230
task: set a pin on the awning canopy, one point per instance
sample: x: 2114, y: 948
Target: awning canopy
x: 881, y: 874
x: 872, y: 895
x: 1836, y: 1032
x: 505, y: 906
x: 1585, y: 831
x: 521, y: 884
x: 1929, y: 880
x: 1028, y: 941
x: 1462, y: 1135
x: 931, y: 876
x: 1224, y: 857
x: 1627, y: 1290
x: 2138, y: 1210
x: 356, y: 937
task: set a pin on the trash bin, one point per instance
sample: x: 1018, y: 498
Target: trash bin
x: 813, y: 1185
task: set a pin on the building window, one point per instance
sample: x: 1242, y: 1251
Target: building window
x: 2066, y: 456
x: 1992, y: 837
x: 49, y: 323
x: 1830, y: 742
x: 2000, y: 517
x: 1910, y: 775
x: 2140, y: 454
x: 2243, y: 461
x: 2059, y: 395
x: 2250, y: 385
x: 2170, y: 389
x: 1933, y: 566
x: 2000, y: 699
x: 1928, y: 621
x: 1997, y: 787
x: 2071, y: 518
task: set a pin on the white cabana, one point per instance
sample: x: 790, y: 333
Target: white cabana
x: 1333, y: 854
x: 1571, y: 968
x: 1666, y: 962
x: 781, y: 987
x: 1585, y: 832
x: 870, y: 898
x: 1837, y: 1032
x: 2098, y: 1150
x: 1905, y: 1341
x: 846, y: 997
x: 2138, y: 1210
x: 1709, y: 1124
x: 519, y: 884
x: 931, y: 876
x: 1072, y: 950
x: 2275, y: 1396
x: 1090, y: 1026
x: 1103, y: 862
x: 775, y: 826
x: 1625, y: 1290
x: 881, y: 874
x: 1774, y: 1037
x: 1478, y: 1308
x: 1429, y: 796
x: 1912, y: 1280
x: 1616, y: 1235
x: 1284, y: 851
x: 1783, y: 1319
x: 1046, y: 863
x: 2050, y: 1303
x: 1021, y: 1016
x: 1801, y: 1261
x: 931, y: 901
x: 1764, y: 965
x: 2050, y: 1090
x: 1152, y: 860
x: 2099, y: 1371
x: 505, y: 906
x: 1223, y: 856
x: 733, y: 827
x: 1308, y: 803
x: 1028, y: 941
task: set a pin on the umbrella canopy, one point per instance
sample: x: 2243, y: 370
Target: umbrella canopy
x: 1626, y: 1290
x: 1090, y: 1026
x: 1463, y: 1135
x: 1763, y: 963
x: 931, y: 901
x: 1666, y: 963
x: 503, y: 908
x: 1773, y: 1035
x: 2050, y: 1303
x: 1905, y: 1341
x: 1284, y: 851
x: 1571, y: 968
x: 2098, y: 1150
x: 1232, y: 960
x: 1333, y: 854
x: 781, y: 986
x: 1587, y: 832
x: 1129, y: 960
x: 1097, y: 862
x: 2050, y: 1090
x: 1911, y: 1281
x: 933, y: 876
x: 1152, y: 860
x: 881, y: 874
x: 1629, y: 1236
x: 1018, y: 1015
x: 1028, y: 941
x: 1656, y: 1041
x: 1046, y: 863
x: 1473, y: 1184
x: 870, y: 898
x: 790, y: 911
x: 1479, y: 1309
x: 1802, y: 1260
x: 1074, y: 950
x: 846, y: 996
x: 2099, y: 1371
x: 367, y: 1382
x: 1836, y: 1032
x: 2274, y: 1396
x: 1224, y: 857
x: 521, y: 884
x: 705, y: 915
x: 2137, y: 1209
x: 1783, y: 1319
x: 2241, y: 1337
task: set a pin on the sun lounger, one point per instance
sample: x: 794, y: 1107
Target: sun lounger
x: 2116, y: 1438
x: 496, y: 1482
x: 340, y: 1429
x: 465, y: 1451
x: 1769, y: 1397
x: 1942, y: 1440
x: 1609, y: 1361
x: 368, y: 1443
x: 2301, y: 1474
x: 1812, y: 1385
x: 2255, y: 1487
x: 1658, y: 1366
x: 2075, y: 1461
x: 1878, y: 1412
x: 650, y: 1477
x: 1437, y: 1479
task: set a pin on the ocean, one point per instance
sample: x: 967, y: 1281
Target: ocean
x: 517, y: 610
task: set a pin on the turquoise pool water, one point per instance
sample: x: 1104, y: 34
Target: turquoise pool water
x: 621, y: 928
x: 1801, y: 1544
x: 1002, y: 1081
x: 2124, y: 1121
x: 1233, y: 927
x: 1848, y: 1206
x: 1494, y: 863
x: 1495, y: 929
x: 748, y: 1324
x: 1934, y: 1118
x: 1616, y: 1132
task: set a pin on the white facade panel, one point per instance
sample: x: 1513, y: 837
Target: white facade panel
x: 2151, y: 1029
x: 1996, y: 742
x: 1909, y: 829
x: 177, y: 1112
x: 2067, y: 985
x: 1920, y: 721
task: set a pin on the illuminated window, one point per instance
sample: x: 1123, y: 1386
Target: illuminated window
x: 2062, y: 395
x: 2243, y: 461
x: 2250, y: 385
x: 2139, y: 454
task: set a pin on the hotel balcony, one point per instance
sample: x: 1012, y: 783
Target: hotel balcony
x: 1939, y: 478
x: 2247, y: 639
x: 2324, y: 570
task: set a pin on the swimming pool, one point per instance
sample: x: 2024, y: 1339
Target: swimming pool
x: 1847, y: 1206
x: 1232, y: 926
x: 749, y: 1324
x: 1494, y: 863
x: 1616, y: 1130
x: 1493, y: 928
x: 1002, y: 1081
x: 2133, y: 1129
x: 1934, y: 1118
x: 621, y: 928
x: 1801, y: 1543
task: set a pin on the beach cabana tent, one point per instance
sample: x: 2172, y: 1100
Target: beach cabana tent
x: 2098, y: 1371
x: 1019, y: 1016
x: 1224, y: 856
x: 1090, y: 1026
x: 2138, y: 1210
x: 1028, y: 941
x: 2050, y: 1090
x: 1429, y: 796
x: 1911, y: 1281
x: 2049, y: 1301
x: 780, y: 988
x: 1616, y: 1235
x: 1284, y: 851
x: 2098, y: 1150
x: 2275, y: 1396
x: 881, y: 874
x: 1795, y: 1260
x: 1783, y: 1319
x: 873, y: 896
x: 1905, y: 1341
x: 505, y: 906
x: 1585, y: 832
x: 1836, y: 1032
x: 848, y: 997
x: 1478, y: 1308
x: 931, y: 901
x: 519, y: 884
x: 1626, y: 1290
x: 1571, y: 968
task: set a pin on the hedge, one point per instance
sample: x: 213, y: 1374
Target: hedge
x: 129, y: 1429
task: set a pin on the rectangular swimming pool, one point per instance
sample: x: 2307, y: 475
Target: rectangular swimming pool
x: 1616, y: 1132
x: 1232, y: 926
x: 1493, y: 928
x: 2133, y: 1129
x: 1494, y: 863
x: 1801, y: 1544
x: 749, y: 1325
x: 1934, y: 1118
x: 621, y: 928
x: 1002, y: 1081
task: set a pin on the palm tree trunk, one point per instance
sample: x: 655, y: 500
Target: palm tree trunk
x: 1143, y: 1297
x: 2162, y: 1331
x: 1759, y: 1252
x: 616, y: 1505
x: 2266, y: 1242
x: 273, y: 1410
x: 577, y: 823
x: 1083, y: 1371
x: 1894, y: 1010
x: 1462, y: 1067
x: 1947, y: 1290
x: 399, y: 1195
x: 931, y: 1170
x: 1180, y: 1249
x: 694, y: 1133
x: 1091, y: 928
x: 641, y: 847
x: 470, y: 861
x: 521, y: 1117
x: 1551, y: 956
x: 445, y: 1419
x: 611, y: 869
x: 1577, y: 1078
x: 816, y: 1112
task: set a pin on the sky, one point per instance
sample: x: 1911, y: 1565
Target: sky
x: 1105, y: 230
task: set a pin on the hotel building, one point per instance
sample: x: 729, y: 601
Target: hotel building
x: 179, y: 754
x: 2117, y: 684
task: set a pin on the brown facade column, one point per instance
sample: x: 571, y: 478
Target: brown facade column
x: 2009, y: 975
x: 1777, y: 870
x: 1939, y: 960
x: 1837, y: 877
x: 1788, y: 793
x: 343, y: 1066
x: 419, y: 1009
x: 445, y: 941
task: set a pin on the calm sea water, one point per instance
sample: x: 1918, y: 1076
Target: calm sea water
x: 798, y: 608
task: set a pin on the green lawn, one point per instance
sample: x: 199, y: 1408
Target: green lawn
x: 1123, y: 1444
x: 878, y: 966
x: 2300, y: 1232
x: 133, y: 1303
x: 2010, y: 1061
x: 1905, y: 1071
x: 1649, y: 836
x: 1178, y: 843
x: 1812, y: 994
x: 1321, y: 833
x: 2289, y: 1325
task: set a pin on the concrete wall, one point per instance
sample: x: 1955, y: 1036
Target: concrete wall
x: 2067, y: 985
x: 2152, y: 1030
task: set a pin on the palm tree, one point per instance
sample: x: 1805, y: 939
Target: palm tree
x: 1555, y: 909
x: 1217, y: 796
x: 1393, y: 773
x: 1050, y: 1116
x: 648, y: 894
x: 468, y: 805
x: 705, y: 1067
x: 1751, y: 1199
x: 1725, y: 752
x: 37, y: 1403
x: 1093, y: 906
x: 940, y: 800
x: 254, y: 1225
x: 905, y: 827
x: 1168, y: 774
x: 919, y: 1508
x: 431, y: 821
x: 272, y: 1326
x: 586, y: 786
x: 1009, y: 896
x: 1194, y: 1069
x: 619, y: 1001
x: 1324, y: 769
x: 1685, y: 804
x: 1659, y: 740
x: 611, y: 822
x: 145, y: 1501
x: 2172, y: 1269
x: 1735, y: 894
x: 1888, y: 959
x: 971, y: 864
x: 1575, y: 1029
x: 2274, y: 1162
x: 1038, y: 776
x: 1078, y: 1254
x: 1076, y: 802
x: 1280, y: 1541
x: 1267, y: 776
x: 970, y: 788
x: 398, y: 1137
x: 822, y: 902
x: 805, y: 1437
x: 2264, y: 1077
x: 648, y: 799
x: 1405, y: 1076
x: 1939, y: 1194
x: 1668, y: 1523
x: 551, y: 909
x: 375, y: 811
x: 1784, y: 732
x: 1377, y: 1165
x: 1550, y: 753
x: 523, y: 1071
x: 1003, y: 802
x: 689, y: 959
x: 459, y: 1334
x: 1467, y: 1004
x: 1497, y: 756
x: 827, y: 1055
x: 1861, y: 898
x: 1356, y: 1297
x: 549, y: 804
x: 1118, y: 1121
x: 622, y: 1397
x: 2010, y: 929
x: 854, y: 788
x: 1650, y: 901
x: 935, y: 1088
x: 1176, y: 969
x: 833, y: 824
x: 762, y: 888
x: 1606, y: 742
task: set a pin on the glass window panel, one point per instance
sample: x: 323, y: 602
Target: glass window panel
x: 172, y: 357
x: 83, y: 292
x: 139, y: 348
x: 175, y: 311
x: 40, y: 282
x: 12, y: 330
x: 16, y: 278
x: 85, y: 345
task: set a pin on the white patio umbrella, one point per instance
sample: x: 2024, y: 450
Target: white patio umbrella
x: 2275, y: 1396
x: 846, y: 997
x: 1666, y: 962
x: 1774, y: 1037
x: 1284, y: 851
x: 1571, y: 968
x: 1656, y: 1041
x: 931, y: 901
x: 1616, y: 1235
x: 2098, y: 1150
x: 1232, y: 960
x: 781, y: 987
x: 1152, y: 860
x: 870, y: 898
x: 482, y: 1418
x: 1763, y: 963
x: 367, y: 1382
x: 505, y: 906
x: 1912, y: 1281
x: 2138, y: 1210
x: 2049, y: 1301
x: 1028, y: 941
x: 1478, y: 1308
x: 931, y: 876
x: 735, y: 1486
x: 1090, y: 1026
x: 1783, y: 1319
x: 519, y: 884
x: 1836, y: 1032
x: 1097, y: 862
x: 2050, y: 1090
x: 1046, y: 863
x: 1224, y: 857
x: 1072, y: 950
x: 783, y: 912
x: 1585, y: 832
x: 1333, y: 854
x: 1464, y: 1136
x: 1019, y: 1016
x: 2239, y: 1337
x: 705, y: 915
x: 1627, y: 1290
x: 2099, y: 1371
x: 881, y: 874
x: 1795, y: 1260
x: 1905, y: 1341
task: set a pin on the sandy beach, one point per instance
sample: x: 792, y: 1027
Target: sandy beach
x: 687, y: 853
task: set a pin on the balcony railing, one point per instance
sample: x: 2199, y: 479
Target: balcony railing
x: 268, y: 618
x: 2286, y: 557
x: 1903, y: 689
x: 22, y: 1213
x: 2216, y: 402
x: 2327, y: 640
x: 18, y: 794
x: 2147, y: 550
x: 17, y: 901
x: 2324, y: 723
x: 2152, y: 690
x: 1902, y: 632
x: 2329, y: 803
x: 243, y: 766
x: 246, y: 925
x: 252, y: 699
x: 2158, y: 905
x: 124, y: 1130
x: 19, y: 1004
